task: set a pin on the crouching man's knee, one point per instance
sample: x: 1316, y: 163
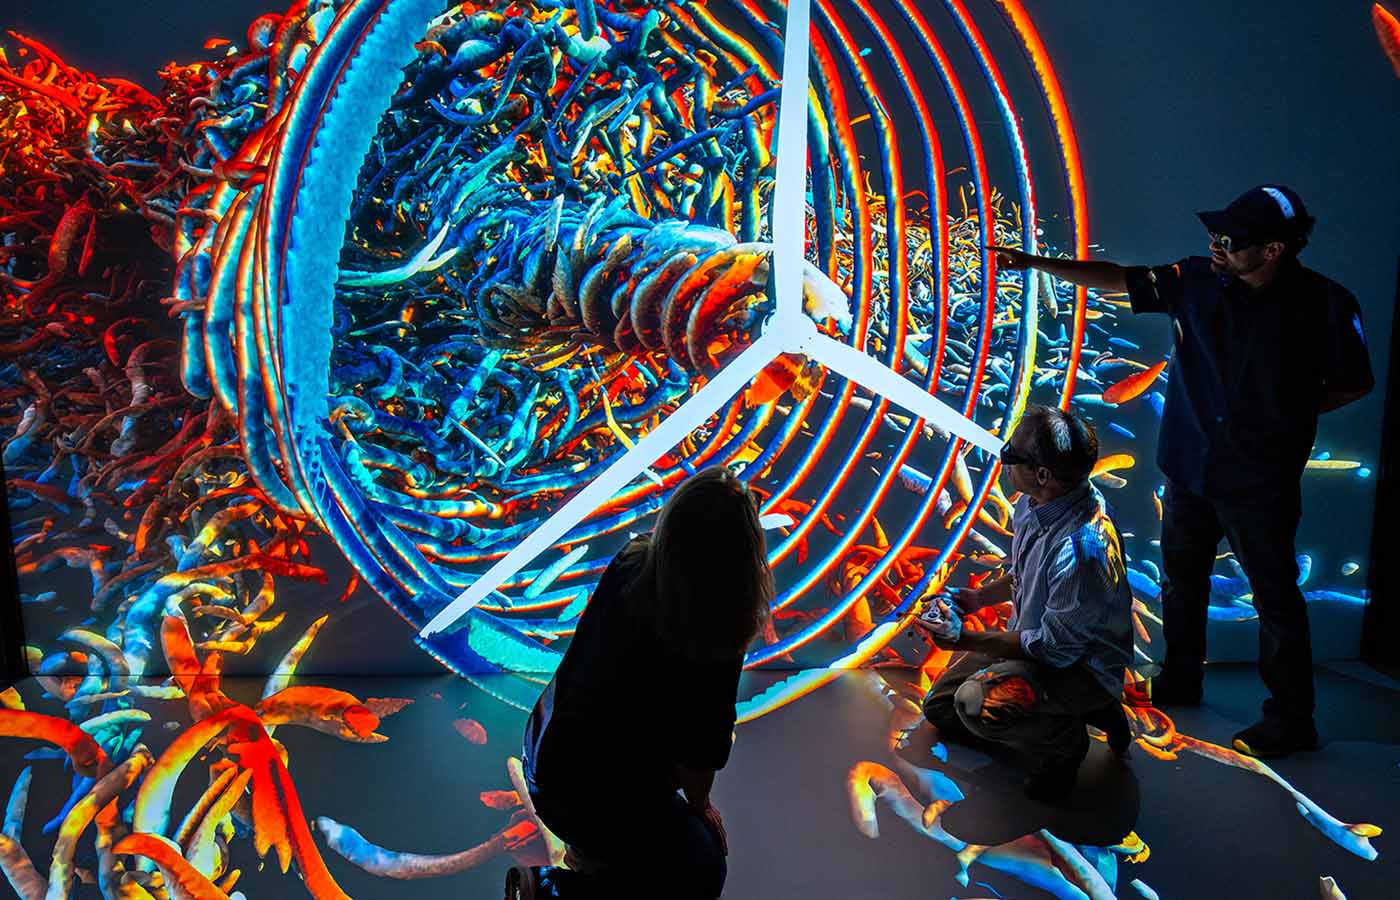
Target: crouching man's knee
x: 969, y: 700
x: 989, y: 701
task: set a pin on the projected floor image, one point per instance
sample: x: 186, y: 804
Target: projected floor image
x: 410, y: 787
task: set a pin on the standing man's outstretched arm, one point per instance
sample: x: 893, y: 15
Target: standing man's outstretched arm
x: 1099, y: 275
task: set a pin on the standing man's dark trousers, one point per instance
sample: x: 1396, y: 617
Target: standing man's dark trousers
x: 1033, y: 708
x: 1261, y: 533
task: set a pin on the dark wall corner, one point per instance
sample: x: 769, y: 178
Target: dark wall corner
x: 1380, y: 642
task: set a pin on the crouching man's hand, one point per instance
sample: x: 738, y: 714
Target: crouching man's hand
x: 942, y: 621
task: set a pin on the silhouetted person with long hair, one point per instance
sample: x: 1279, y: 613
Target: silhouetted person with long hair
x: 641, y: 710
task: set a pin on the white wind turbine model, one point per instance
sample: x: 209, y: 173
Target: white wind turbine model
x: 788, y: 330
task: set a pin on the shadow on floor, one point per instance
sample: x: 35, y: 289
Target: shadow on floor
x: 1102, y: 810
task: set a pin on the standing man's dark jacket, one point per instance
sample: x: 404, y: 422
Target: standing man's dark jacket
x: 1249, y: 372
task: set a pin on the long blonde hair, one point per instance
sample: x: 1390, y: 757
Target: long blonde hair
x: 705, y: 585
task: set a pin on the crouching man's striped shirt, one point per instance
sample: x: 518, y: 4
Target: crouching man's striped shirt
x: 1070, y: 586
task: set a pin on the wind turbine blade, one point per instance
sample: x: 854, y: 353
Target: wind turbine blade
x: 878, y: 378
x: 672, y: 430
x: 789, y: 202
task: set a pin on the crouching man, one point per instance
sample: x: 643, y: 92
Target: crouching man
x: 1060, y: 664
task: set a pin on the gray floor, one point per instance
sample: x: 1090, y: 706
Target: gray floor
x: 1212, y: 830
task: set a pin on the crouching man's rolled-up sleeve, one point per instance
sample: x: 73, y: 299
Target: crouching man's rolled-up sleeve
x: 1080, y: 590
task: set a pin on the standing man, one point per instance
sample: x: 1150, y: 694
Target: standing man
x: 1263, y: 345
x: 1059, y: 665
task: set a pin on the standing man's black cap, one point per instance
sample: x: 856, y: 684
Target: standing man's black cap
x: 1266, y: 213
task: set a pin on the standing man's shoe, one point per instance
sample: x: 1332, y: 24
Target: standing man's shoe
x: 1274, y: 737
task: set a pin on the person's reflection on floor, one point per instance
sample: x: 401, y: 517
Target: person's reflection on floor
x: 642, y: 707
x: 1060, y: 663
